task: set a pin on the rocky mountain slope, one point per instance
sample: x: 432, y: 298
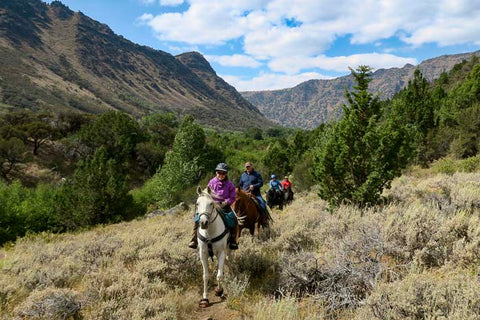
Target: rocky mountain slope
x: 315, y: 101
x: 57, y: 59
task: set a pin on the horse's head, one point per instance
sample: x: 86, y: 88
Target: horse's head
x: 205, y: 206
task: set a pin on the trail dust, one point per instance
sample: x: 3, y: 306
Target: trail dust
x: 217, y: 310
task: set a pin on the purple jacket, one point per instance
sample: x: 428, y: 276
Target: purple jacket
x: 225, y: 190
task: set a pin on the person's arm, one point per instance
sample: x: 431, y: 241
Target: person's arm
x: 259, y: 183
x: 230, y: 197
x: 271, y: 184
x: 240, y: 184
x: 210, y: 184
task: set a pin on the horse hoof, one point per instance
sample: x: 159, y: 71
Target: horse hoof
x: 204, y: 303
x: 218, y: 292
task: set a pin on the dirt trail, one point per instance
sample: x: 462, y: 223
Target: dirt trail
x: 217, y: 310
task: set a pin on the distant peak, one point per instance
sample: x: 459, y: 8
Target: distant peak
x: 61, y: 10
x: 195, y: 60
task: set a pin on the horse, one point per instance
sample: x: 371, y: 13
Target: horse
x: 275, y: 198
x: 288, y: 195
x: 249, y: 213
x: 212, y: 239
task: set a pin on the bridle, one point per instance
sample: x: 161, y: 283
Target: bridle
x: 208, y: 214
x: 217, y: 238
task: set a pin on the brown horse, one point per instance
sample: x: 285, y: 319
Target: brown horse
x: 246, y: 206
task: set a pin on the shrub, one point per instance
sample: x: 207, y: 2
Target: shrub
x: 442, y: 295
x: 50, y: 304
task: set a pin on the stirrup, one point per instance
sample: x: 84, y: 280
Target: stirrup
x: 233, y: 246
x: 192, y: 245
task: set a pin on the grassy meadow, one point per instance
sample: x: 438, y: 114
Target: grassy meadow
x: 417, y: 256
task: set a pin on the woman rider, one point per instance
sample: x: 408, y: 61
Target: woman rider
x: 224, y: 195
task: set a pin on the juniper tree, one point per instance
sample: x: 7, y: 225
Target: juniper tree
x: 361, y: 155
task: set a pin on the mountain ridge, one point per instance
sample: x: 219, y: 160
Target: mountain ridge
x: 58, y: 59
x: 318, y: 101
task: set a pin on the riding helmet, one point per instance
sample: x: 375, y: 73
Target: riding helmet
x: 273, y: 176
x: 222, y: 167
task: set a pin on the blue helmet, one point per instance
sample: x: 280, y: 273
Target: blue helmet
x: 273, y: 176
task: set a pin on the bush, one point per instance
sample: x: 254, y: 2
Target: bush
x: 50, y: 304
x: 451, y: 295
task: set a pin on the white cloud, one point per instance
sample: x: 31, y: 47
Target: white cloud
x: 171, y: 3
x: 271, y: 81
x: 295, y: 64
x: 236, y: 60
x: 262, y: 23
x: 145, y: 18
x: 293, y: 36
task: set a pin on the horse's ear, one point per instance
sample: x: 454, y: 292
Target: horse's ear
x: 209, y: 190
x: 199, y: 190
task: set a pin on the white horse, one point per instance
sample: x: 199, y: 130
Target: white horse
x: 212, y: 239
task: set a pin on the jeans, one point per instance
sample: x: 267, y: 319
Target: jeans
x: 262, y: 202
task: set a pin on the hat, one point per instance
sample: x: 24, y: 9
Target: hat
x: 286, y: 177
x: 222, y: 167
x: 248, y: 164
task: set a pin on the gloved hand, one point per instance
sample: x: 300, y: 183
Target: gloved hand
x: 223, y: 204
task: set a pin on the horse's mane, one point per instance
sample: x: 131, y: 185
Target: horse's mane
x: 210, y: 196
x: 241, y: 193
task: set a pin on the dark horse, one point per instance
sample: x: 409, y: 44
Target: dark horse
x: 275, y: 198
x: 288, y: 195
x: 246, y: 206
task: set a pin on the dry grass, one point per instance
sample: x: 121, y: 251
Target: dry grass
x: 416, y: 257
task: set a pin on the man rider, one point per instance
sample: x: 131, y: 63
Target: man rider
x: 286, y: 183
x: 251, y: 181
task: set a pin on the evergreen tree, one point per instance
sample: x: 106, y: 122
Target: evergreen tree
x: 116, y: 131
x: 277, y: 158
x: 361, y: 155
x: 184, y: 165
x: 100, y: 190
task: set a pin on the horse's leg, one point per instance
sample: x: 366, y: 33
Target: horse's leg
x: 204, y: 258
x: 221, y: 262
x: 252, y: 230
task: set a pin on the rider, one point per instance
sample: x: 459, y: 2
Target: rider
x: 224, y: 195
x: 286, y: 183
x: 251, y: 181
x: 275, y: 184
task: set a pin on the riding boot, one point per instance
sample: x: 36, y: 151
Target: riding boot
x: 194, y: 242
x: 233, y: 238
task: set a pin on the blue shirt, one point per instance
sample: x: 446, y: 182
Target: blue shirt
x: 276, y: 185
x: 253, y: 178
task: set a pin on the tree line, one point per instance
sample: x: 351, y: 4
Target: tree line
x: 115, y: 167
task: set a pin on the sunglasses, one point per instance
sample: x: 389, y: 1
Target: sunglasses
x: 222, y: 173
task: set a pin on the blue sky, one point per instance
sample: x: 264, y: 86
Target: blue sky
x: 266, y: 45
